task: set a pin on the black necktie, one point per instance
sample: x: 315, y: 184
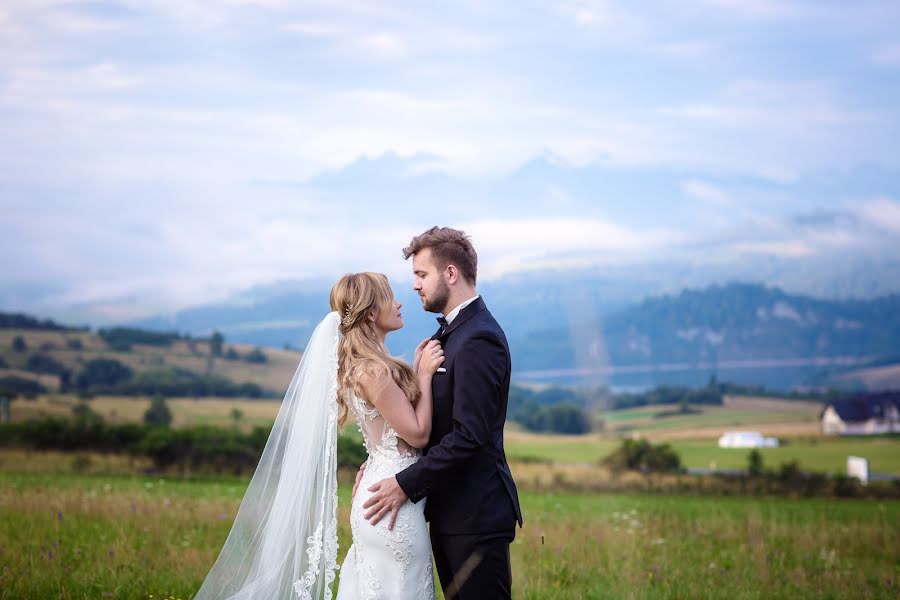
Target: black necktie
x: 443, y: 323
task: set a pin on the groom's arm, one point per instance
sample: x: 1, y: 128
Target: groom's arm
x: 479, y: 371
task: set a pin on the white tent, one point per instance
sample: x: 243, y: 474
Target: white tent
x: 746, y: 439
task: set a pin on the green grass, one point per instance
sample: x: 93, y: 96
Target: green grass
x: 818, y: 454
x: 132, y: 536
x: 710, y: 418
x: 559, y: 449
x: 630, y: 414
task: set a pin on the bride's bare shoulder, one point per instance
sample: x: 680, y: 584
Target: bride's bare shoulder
x: 373, y: 379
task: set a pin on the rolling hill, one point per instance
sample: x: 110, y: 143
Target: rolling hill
x: 592, y: 331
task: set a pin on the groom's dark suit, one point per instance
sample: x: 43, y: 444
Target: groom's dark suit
x: 472, y: 503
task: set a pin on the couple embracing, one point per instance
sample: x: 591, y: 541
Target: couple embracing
x: 433, y: 433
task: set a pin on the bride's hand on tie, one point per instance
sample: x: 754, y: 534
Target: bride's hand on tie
x: 418, y: 354
x: 431, y: 358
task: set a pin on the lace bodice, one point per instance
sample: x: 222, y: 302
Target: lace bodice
x: 382, y: 563
x: 379, y: 437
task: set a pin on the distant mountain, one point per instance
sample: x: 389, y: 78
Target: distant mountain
x: 286, y: 313
x: 738, y: 332
x: 597, y: 329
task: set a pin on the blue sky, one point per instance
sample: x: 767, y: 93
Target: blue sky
x: 165, y: 153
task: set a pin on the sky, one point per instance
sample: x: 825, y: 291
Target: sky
x: 167, y: 153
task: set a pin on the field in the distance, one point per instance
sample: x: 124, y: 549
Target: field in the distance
x: 693, y: 436
x: 274, y: 375
x: 80, y: 536
x: 816, y: 453
x: 123, y: 409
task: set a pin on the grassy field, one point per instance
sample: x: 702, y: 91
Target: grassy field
x: 774, y: 416
x: 693, y: 436
x: 101, y: 536
x: 815, y: 453
x: 185, y: 411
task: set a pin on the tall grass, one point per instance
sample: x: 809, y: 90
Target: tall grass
x: 114, y: 536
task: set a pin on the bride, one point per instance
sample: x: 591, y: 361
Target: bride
x: 283, y: 542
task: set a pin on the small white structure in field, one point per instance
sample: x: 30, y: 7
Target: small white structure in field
x: 858, y: 467
x: 746, y: 439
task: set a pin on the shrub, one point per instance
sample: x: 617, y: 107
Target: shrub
x: 19, y: 345
x: 256, y: 356
x: 83, y: 411
x: 216, y: 341
x: 102, y: 373
x: 13, y: 386
x: 158, y: 413
x: 122, y: 338
x: 180, y: 382
x: 44, y: 363
x: 557, y: 418
x: 350, y: 452
x: 754, y: 463
x: 641, y: 455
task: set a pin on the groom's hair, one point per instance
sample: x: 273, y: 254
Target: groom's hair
x: 448, y: 247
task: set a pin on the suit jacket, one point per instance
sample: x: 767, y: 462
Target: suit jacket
x: 463, y: 470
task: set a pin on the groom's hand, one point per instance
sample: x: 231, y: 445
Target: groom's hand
x: 388, y: 496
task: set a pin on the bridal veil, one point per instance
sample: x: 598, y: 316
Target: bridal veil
x: 283, y: 543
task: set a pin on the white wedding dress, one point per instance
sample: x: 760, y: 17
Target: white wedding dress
x: 283, y: 542
x: 384, y: 564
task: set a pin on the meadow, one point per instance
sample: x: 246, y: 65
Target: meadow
x: 103, y: 536
x: 817, y: 453
x: 90, y: 525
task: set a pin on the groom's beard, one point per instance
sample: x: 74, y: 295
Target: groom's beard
x: 438, y: 302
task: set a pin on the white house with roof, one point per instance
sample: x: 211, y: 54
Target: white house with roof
x: 866, y: 414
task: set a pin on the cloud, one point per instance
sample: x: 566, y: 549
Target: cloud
x: 759, y: 9
x: 147, y: 144
x: 882, y: 213
x: 705, y: 191
x: 315, y: 29
x: 793, y: 249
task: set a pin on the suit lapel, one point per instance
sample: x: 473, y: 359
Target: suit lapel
x: 464, y: 315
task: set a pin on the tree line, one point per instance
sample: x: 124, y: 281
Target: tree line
x: 111, y: 377
x: 198, y: 448
x: 23, y: 321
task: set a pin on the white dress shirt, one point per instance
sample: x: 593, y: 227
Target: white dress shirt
x: 452, y: 314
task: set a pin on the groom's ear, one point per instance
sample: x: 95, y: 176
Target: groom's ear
x: 452, y: 274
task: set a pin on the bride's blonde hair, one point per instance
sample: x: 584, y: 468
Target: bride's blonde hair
x: 355, y: 296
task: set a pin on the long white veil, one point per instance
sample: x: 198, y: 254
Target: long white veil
x: 283, y: 543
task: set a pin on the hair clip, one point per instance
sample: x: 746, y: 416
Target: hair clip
x: 347, y: 314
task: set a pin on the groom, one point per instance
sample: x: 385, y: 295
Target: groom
x: 472, y: 505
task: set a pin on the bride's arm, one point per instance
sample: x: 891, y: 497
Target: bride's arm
x: 412, y: 422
